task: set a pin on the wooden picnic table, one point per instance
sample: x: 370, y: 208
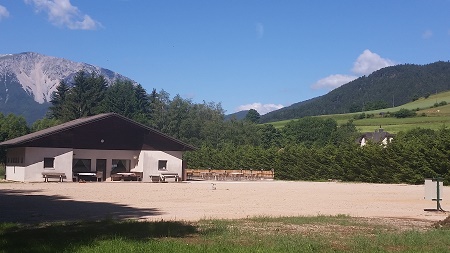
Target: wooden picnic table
x: 236, y: 175
x: 85, y: 176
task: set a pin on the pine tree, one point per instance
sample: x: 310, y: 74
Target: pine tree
x: 142, y: 106
x: 58, y: 100
x: 86, y: 96
x: 120, y: 98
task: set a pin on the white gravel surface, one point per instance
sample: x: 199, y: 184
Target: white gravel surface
x: 191, y: 201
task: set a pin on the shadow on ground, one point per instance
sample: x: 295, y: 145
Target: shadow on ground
x: 73, y: 236
x: 30, y: 222
x: 28, y: 207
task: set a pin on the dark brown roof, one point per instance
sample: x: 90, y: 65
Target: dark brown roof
x: 103, y: 131
x: 377, y: 136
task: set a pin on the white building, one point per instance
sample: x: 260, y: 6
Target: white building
x: 109, y: 146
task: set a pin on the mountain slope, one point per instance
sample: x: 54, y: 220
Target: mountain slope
x: 27, y: 81
x: 237, y: 115
x: 395, y: 85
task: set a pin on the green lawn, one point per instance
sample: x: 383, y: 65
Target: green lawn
x: 283, y: 234
x: 434, y: 117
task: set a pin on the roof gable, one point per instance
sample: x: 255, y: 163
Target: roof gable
x: 109, y: 131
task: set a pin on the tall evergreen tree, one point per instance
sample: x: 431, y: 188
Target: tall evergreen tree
x: 58, y: 100
x: 159, y: 104
x: 85, y: 97
x: 120, y: 98
x: 96, y: 93
x: 142, y: 108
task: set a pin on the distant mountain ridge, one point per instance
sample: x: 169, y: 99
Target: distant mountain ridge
x: 395, y: 85
x: 237, y: 115
x: 27, y: 81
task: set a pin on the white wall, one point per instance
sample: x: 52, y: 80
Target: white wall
x: 33, y: 163
x: 15, y: 173
x: 109, y: 155
x: 141, y: 161
x: 34, y: 160
x: 15, y: 164
x: 150, y: 163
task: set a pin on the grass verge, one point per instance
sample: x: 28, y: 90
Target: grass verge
x: 261, y: 234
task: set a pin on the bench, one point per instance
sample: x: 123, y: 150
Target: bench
x: 163, y: 176
x: 59, y: 175
x: 155, y: 178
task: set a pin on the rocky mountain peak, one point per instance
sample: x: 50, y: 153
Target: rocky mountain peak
x: 39, y: 74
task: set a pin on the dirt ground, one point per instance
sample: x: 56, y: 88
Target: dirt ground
x: 191, y: 201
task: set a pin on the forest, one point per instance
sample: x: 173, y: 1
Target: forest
x: 309, y: 148
x: 387, y: 87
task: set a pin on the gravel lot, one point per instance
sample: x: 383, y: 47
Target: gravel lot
x: 191, y: 201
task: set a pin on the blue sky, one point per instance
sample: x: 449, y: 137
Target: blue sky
x: 242, y: 53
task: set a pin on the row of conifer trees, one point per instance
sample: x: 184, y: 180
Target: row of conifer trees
x: 410, y: 158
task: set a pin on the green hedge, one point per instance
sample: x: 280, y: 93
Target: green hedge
x: 411, y: 157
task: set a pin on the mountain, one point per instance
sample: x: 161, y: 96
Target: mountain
x: 237, y: 115
x: 27, y: 81
x: 392, y: 86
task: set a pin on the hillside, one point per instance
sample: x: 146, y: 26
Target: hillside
x: 27, y: 81
x: 237, y: 115
x: 393, y: 86
x: 428, y: 116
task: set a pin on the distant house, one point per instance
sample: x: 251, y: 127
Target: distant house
x: 379, y: 136
x: 104, y: 144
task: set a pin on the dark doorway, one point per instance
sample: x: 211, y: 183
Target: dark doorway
x: 101, y: 167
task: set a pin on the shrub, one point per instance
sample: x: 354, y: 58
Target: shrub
x: 442, y: 103
x: 360, y: 116
x: 404, y: 113
x: 2, y: 171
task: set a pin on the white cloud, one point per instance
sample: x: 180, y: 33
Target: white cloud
x: 333, y: 81
x: 259, y: 30
x: 365, y: 64
x: 63, y: 13
x: 369, y: 62
x: 427, y: 34
x: 261, y: 108
x: 3, y: 12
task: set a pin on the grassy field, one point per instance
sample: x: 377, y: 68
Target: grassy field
x: 285, y: 234
x: 428, y: 116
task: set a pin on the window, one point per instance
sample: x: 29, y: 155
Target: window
x: 49, y: 162
x: 162, y: 165
x: 81, y: 165
x: 14, y: 160
x: 122, y: 165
